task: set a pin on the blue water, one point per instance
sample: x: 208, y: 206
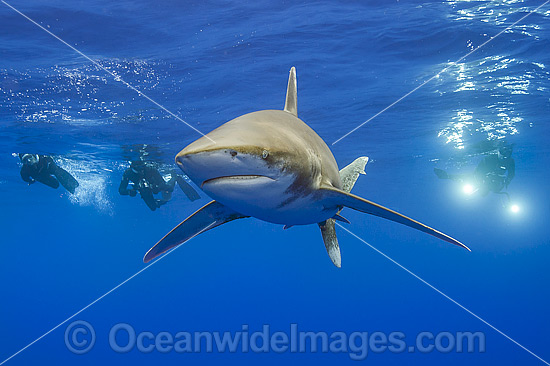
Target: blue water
x: 211, y: 61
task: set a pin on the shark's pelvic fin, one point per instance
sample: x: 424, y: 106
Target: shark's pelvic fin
x: 348, y: 175
x: 328, y: 232
x: 207, y: 217
x: 291, y: 104
x: 341, y: 218
x: 341, y: 198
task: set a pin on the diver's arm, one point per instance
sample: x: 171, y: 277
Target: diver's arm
x: 153, y: 177
x: 483, y: 167
x: 47, y: 164
x: 123, y: 188
x: 26, y: 176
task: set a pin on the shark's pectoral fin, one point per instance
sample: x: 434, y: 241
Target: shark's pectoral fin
x: 291, y: 104
x: 338, y: 197
x: 207, y: 217
x: 328, y: 231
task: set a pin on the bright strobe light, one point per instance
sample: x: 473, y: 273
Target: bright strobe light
x: 514, y: 208
x: 468, y: 189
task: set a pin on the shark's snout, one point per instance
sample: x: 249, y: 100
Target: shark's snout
x: 182, y: 161
x: 187, y: 155
x: 191, y: 152
x: 201, y: 163
x: 181, y: 158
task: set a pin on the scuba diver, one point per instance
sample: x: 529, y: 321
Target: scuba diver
x: 42, y: 168
x: 147, y: 180
x: 493, y: 174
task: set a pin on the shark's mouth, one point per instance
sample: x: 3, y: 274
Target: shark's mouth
x: 235, y: 178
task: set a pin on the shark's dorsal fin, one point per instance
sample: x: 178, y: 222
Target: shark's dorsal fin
x: 291, y: 104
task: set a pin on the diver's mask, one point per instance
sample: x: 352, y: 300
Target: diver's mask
x: 29, y: 159
x: 137, y: 166
x: 504, y: 153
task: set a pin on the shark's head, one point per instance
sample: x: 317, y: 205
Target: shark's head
x: 206, y: 162
x: 252, y: 159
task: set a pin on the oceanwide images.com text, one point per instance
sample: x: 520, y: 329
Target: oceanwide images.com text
x: 80, y: 338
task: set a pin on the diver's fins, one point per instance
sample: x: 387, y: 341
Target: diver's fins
x: 328, y: 232
x: 208, y: 217
x: 441, y: 174
x: 340, y: 198
x: 187, y: 189
x: 66, y: 179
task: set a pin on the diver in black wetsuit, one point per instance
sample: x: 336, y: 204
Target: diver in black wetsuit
x: 493, y: 174
x: 147, y: 180
x: 42, y: 168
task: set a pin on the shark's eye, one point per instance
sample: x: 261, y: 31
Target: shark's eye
x: 265, y: 154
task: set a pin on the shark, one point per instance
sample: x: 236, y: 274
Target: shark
x: 272, y: 166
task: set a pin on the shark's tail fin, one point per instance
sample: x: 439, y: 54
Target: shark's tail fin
x: 340, y: 198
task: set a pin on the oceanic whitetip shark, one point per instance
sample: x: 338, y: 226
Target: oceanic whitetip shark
x: 272, y: 166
